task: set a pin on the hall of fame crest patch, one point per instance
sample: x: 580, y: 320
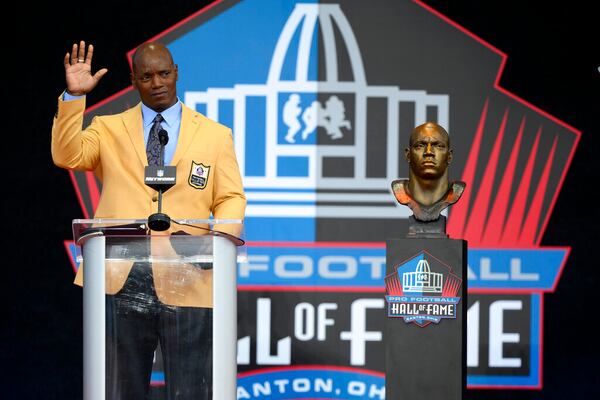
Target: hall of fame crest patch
x: 199, y: 175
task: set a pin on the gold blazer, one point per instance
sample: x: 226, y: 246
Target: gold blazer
x: 113, y: 147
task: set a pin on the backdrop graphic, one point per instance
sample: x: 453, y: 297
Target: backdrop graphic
x: 319, y: 126
x: 320, y: 111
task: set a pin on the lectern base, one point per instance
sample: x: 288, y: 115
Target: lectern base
x: 159, y: 222
x: 425, y: 331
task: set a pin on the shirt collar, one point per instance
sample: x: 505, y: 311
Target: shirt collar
x: 170, y: 115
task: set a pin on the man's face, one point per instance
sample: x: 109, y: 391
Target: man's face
x: 429, y: 154
x: 155, y: 76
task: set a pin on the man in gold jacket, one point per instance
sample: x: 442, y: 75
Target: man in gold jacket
x: 146, y: 308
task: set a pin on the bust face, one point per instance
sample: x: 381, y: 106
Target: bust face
x: 428, y: 153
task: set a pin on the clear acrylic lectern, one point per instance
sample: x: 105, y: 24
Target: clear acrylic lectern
x: 192, y: 267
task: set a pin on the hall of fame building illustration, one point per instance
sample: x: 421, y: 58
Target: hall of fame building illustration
x: 288, y: 132
x: 422, y: 280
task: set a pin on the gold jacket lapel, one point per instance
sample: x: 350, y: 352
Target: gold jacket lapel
x: 132, y: 120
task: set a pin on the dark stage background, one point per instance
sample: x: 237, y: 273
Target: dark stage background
x: 551, y: 64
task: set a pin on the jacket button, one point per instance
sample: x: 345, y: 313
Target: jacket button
x: 155, y: 198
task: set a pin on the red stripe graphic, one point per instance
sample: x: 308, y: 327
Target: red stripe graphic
x: 528, y: 233
x: 495, y: 222
x: 515, y: 219
x: 480, y: 207
x: 392, y: 285
x: 458, y: 213
x: 451, y: 286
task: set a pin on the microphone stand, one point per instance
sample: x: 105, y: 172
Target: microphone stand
x: 160, y: 221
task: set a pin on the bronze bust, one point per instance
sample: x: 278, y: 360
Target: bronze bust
x: 427, y: 190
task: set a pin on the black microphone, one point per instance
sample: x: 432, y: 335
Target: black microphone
x: 163, y: 139
x: 160, y: 178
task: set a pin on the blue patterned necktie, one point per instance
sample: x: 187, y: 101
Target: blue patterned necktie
x: 153, y: 145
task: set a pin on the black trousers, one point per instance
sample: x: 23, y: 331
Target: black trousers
x: 136, y: 323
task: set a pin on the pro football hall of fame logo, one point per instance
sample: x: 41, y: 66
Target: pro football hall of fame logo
x: 422, y: 290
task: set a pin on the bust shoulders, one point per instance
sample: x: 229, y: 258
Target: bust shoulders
x: 423, y: 212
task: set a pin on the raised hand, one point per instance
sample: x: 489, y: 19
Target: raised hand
x: 78, y: 70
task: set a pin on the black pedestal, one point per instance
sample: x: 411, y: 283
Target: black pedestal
x: 425, y: 330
